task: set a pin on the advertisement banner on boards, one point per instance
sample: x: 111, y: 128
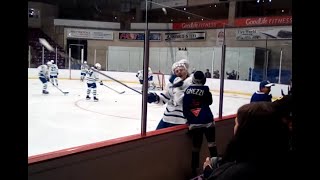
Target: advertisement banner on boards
x: 185, y: 36
x: 89, y: 34
x: 139, y: 36
x: 271, y: 33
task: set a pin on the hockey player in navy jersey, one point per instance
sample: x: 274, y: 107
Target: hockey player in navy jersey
x: 196, y: 108
x: 172, y: 96
x: 92, y: 78
x: 54, y: 72
x: 263, y: 93
x: 44, y: 76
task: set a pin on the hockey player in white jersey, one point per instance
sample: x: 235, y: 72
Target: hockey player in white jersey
x: 139, y: 75
x: 173, y: 96
x: 92, y: 78
x: 54, y: 72
x: 44, y: 76
x: 151, y: 83
x: 84, y: 69
x: 150, y: 78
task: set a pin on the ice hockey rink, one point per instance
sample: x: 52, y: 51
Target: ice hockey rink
x: 57, y: 121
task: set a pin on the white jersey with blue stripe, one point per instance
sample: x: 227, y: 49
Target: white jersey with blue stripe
x: 92, y: 76
x: 84, y: 68
x: 53, y: 70
x: 140, y: 74
x: 173, y: 97
x: 43, y: 71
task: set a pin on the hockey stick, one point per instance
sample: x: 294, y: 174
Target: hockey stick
x: 95, y: 70
x: 114, y: 89
x: 64, y: 92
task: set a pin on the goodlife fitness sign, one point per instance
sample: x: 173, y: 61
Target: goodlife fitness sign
x: 241, y: 22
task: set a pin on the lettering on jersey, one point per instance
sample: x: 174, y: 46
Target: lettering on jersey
x: 198, y: 92
x: 196, y: 111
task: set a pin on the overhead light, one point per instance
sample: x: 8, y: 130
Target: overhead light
x: 202, y: 19
x: 282, y: 10
x: 115, y: 17
x: 188, y: 17
x: 258, y: 1
x: 210, y: 6
x: 269, y: 0
x: 184, y: 8
x: 215, y: 5
x: 132, y: 17
x: 171, y: 20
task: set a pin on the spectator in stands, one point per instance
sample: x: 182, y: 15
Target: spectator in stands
x: 258, y: 149
x: 207, y: 74
x: 216, y: 74
x: 263, y: 93
x: 232, y: 75
x: 284, y: 107
x: 196, y: 108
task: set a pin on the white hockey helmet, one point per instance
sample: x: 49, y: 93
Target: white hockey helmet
x: 85, y: 62
x: 97, y: 65
x: 52, y: 61
x: 49, y: 63
x: 185, y: 62
x: 178, y: 64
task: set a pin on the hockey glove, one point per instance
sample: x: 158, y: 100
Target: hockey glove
x: 178, y: 82
x: 152, y: 97
x: 101, y: 83
x: 171, y: 79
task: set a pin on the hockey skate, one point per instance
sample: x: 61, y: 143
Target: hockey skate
x: 95, y: 99
x: 45, y: 92
x: 88, y: 98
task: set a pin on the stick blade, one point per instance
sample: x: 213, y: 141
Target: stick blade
x: 46, y: 44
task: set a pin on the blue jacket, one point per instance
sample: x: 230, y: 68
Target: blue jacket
x: 260, y: 96
x: 196, y: 102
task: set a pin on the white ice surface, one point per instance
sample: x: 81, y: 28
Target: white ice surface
x: 57, y: 121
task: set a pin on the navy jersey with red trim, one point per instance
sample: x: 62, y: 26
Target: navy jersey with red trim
x: 260, y: 96
x: 196, y: 102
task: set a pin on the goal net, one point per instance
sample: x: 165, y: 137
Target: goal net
x: 158, y: 79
